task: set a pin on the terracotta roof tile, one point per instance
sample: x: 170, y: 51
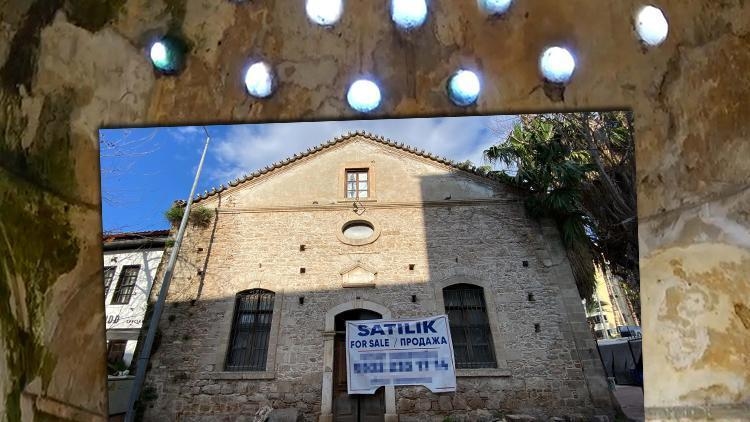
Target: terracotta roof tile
x: 336, y: 141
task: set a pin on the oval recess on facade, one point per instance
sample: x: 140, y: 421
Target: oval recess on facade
x: 358, y: 232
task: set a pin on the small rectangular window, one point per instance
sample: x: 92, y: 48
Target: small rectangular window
x: 357, y: 183
x: 109, y: 274
x: 116, y: 350
x: 125, y: 285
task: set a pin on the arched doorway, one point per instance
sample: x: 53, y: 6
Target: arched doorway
x: 352, y: 407
x: 329, y: 336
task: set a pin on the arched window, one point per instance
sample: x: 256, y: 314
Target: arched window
x: 251, y: 327
x: 470, y: 328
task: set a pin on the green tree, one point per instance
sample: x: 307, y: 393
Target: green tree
x: 578, y: 169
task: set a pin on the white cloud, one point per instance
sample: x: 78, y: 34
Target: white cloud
x: 240, y: 149
x: 188, y: 130
x: 186, y: 133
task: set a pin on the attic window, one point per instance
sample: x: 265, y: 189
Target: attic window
x: 357, y: 183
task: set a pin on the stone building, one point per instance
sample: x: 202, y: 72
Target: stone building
x: 361, y: 227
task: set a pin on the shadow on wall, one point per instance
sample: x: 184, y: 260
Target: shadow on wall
x: 505, y: 282
x: 458, y: 256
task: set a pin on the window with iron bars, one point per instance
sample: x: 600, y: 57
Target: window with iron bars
x: 109, y: 274
x: 125, y: 285
x: 469, y: 325
x: 251, y: 328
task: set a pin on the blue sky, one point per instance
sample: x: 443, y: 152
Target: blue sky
x: 145, y: 169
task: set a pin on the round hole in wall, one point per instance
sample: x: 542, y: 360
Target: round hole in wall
x: 494, y: 7
x: 651, y: 25
x: 363, y: 95
x: 557, y: 65
x: 259, y: 80
x: 159, y: 54
x: 167, y: 55
x: 324, y: 12
x: 464, y: 87
x: 358, y: 230
x: 408, y: 14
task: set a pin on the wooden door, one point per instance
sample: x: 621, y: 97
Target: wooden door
x: 352, y: 407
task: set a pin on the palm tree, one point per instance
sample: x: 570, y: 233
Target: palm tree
x: 578, y: 170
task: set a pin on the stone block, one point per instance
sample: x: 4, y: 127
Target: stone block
x: 519, y: 418
x: 459, y: 403
x: 285, y: 387
x: 482, y: 415
x: 310, y: 397
x: 405, y: 405
x: 475, y: 402
x: 285, y: 415
x: 422, y: 404
x: 444, y: 401
x: 211, y: 389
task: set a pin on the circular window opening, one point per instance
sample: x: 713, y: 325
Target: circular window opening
x: 358, y: 230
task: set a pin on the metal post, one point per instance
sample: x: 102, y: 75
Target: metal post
x: 143, y: 357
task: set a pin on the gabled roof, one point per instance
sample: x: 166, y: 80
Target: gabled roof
x: 338, y: 140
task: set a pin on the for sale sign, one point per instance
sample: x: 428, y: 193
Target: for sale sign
x: 400, y: 352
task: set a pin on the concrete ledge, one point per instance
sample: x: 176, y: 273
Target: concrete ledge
x: 729, y: 411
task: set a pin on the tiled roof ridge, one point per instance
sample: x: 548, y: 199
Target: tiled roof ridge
x: 148, y: 234
x: 336, y: 141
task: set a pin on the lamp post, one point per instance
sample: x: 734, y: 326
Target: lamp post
x: 145, y: 353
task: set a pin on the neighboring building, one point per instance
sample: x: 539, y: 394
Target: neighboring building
x: 130, y: 264
x: 357, y: 228
x: 623, y: 308
x: 610, y: 313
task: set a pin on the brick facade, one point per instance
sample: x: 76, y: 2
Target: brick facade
x: 480, y: 235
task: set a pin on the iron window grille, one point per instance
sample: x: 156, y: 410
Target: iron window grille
x: 357, y: 183
x: 125, y: 285
x: 251, y: 328
x: 469, y: 325
x: 109, y: 274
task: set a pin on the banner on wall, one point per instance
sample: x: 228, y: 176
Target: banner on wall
x: 400, y: 352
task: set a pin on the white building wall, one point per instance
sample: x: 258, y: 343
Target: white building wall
x: 127, y: 319
x: 124, y: 321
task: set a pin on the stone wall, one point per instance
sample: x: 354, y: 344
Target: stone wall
x: 67, y: 70
x: 551, y: 373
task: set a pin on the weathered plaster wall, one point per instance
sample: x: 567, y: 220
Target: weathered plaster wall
x: 68, y: 67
